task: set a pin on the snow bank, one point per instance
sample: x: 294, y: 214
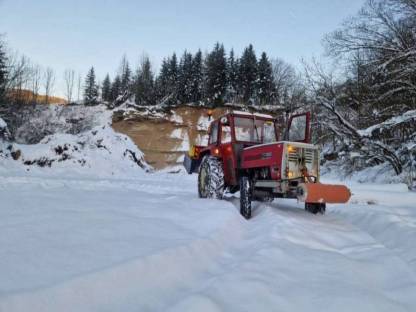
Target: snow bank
x: 32, y: 123
x: 380, y: 174
x: 98, y: 151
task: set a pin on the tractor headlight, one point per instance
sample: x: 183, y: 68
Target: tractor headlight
x: 291, y: 149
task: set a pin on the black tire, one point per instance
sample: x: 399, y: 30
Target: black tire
x: 245, y: 197
x: 210, y: 178
x: 315, y: 208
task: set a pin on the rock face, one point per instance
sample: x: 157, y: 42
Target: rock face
x: 164, y: 137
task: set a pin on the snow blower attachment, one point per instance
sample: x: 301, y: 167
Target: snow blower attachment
x: 245, y: 154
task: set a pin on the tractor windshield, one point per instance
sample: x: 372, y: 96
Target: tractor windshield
x: 254, y: 130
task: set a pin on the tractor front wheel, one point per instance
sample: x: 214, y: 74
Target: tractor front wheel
x: 245, y: 197
x: 315, y: 208
x: 210, y: 178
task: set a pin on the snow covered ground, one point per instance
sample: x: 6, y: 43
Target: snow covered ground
x: 145, y: 242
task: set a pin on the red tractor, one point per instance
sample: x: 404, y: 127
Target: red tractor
x: 245, y: 154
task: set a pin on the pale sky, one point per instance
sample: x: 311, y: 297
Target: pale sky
x: 79, y: 34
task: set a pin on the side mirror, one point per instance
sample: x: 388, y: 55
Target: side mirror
x: 298, y: 129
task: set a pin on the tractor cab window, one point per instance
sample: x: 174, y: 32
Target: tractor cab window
x: 254, y: 130
x: 213, y: 136
x: 225, y: 134
x: 269, y: 132
x: 297, y: 130
x: 245, y: 130
x: 225, y: 130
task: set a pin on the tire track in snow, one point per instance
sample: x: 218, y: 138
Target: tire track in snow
x: 291, y: 259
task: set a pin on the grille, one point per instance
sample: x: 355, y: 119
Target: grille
x: 301, y: 153
x: 293, y: 155
x: 308, y: 154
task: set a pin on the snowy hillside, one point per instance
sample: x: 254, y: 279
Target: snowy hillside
x: 85, y: 146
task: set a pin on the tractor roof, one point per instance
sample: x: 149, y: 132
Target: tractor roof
x: 250, y: 115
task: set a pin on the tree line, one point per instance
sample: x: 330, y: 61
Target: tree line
x: 211, y: 78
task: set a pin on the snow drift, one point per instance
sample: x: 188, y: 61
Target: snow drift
x: 84, y: 143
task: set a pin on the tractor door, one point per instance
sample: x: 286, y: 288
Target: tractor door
x: 228, y: 159
x: 298, y: 128
x: 213, y: 134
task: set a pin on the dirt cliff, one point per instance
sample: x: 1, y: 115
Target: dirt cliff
x: 164, y: 136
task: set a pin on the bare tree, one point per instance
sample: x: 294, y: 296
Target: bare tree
x: 69, y: 77
x: 35, y: 82
x: 18, y: 76
x: 289, y: 89
x: 79, y: 86
x: 48, y: 83
x: 384, y: 35
x: 329, y: 97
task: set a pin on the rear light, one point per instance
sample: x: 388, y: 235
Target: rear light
x: 191, y: 151
x: 194, y: 152
x: 216, y: 151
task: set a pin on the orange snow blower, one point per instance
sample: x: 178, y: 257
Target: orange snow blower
x: 323, y: 193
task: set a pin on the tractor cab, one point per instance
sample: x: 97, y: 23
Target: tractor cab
x: 243, y: 128
x: 253, y: 129
x: 230, y: 134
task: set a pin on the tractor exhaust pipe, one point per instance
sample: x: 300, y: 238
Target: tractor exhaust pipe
x: 323, y: 193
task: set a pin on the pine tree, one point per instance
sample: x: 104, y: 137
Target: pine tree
x: 216, y: 75
x: 3, y: 73
x: 185, y: 78
x: 106, y: 89
x: 247, y: 74
x: 144, y: 84
x: 197, y: 83
x: 162, y: 80
x: 232, y: 77
x: 173, y: 77
x: 115, y: 88
x: 90, y: 88
x: 125, y: 74
x: 265, y: 86
x: 167, y: 81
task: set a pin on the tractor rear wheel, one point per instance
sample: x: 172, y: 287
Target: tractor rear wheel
x: 315, y: 208
x: 245, y: 197
x: 210, y: 178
